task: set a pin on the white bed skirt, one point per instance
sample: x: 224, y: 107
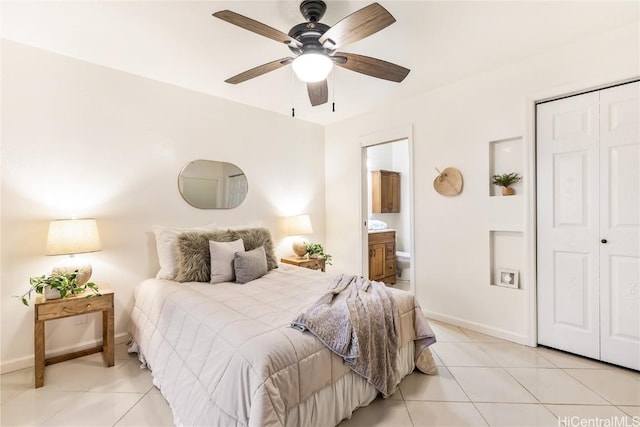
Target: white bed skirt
x: 335, y: 402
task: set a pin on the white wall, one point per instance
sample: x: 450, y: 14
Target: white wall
x: 85, y: 140
x: 452, y: 127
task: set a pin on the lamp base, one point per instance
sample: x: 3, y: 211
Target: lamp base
x: 70, y: 265
x: 299, y: 248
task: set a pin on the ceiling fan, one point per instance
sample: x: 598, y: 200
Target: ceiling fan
x: 315, y: 46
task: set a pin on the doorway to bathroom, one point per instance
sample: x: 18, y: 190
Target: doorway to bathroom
x: 387, y: 211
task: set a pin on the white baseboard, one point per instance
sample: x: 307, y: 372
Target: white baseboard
x: 27, y: 361
x: 477, y: 327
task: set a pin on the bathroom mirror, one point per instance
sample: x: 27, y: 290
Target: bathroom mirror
x: 207, y: 184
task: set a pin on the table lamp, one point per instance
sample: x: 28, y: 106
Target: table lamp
x: 71, y: 237
x: 297, y: 226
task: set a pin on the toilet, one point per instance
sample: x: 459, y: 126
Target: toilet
x: 403, y: 265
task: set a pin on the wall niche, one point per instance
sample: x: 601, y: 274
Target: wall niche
x: 505, y: 156
x: 506, y: 252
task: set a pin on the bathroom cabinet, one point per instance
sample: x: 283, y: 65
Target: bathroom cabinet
x: 382, y: 256
x: 385, y: 189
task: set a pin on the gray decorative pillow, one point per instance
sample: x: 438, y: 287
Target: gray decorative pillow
x: 254, y: 238
x: 193, y: 255
x: 250, y: 265
x: 222, y: 254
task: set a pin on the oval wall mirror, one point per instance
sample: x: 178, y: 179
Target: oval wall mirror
x: 207, y: 184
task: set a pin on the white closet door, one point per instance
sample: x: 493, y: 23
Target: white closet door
x: 568, y: 240
x: 620, y: 225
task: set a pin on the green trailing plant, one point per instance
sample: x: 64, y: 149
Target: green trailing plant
x: 65, y: 283
x: 315, y: 250
x: 507, y: 179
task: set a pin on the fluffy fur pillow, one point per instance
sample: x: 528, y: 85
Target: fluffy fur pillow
x: 256, y: 237
x: 194, y: 258
x: 166, y: 246
x: 250, y: 265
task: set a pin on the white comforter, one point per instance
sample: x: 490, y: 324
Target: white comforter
x: 225, y: 355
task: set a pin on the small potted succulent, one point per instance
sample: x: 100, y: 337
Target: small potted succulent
x: 506, y: 180
x: 315, y: 250
x: 58, y: 285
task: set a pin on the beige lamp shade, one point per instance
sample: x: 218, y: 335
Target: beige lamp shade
x: 70, y: 237
x: 73, y: 236
x: 297, y: 226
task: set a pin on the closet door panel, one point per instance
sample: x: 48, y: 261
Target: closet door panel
x: 567, y: 240
x: 620, y: 225
x: 571, y: 190
x: 572, y: 293
x: 623, y: 301
x: 623, y: 211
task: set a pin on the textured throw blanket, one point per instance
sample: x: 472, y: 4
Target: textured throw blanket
x: 357, y: 320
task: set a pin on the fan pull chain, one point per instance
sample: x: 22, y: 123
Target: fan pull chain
x: 333, y: 90
x: 293, y: 108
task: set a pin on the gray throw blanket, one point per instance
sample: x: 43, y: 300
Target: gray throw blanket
x: 357, y: 320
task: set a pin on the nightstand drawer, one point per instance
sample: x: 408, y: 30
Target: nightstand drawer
x: 310, y: 263
x: 313, y: 265
x: 72, y: 307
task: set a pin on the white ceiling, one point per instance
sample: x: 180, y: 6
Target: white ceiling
x: 179, y: 42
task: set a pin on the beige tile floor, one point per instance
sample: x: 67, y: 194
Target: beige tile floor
x: 405, y: 285
x: 482, y: 381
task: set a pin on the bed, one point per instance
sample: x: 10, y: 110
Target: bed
x: 225, y: 354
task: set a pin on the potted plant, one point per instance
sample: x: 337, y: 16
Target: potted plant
x: 58, y: 285
x: 315, y: 250
x: 506, y: 180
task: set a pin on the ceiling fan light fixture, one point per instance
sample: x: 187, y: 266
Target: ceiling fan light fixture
x: 312, y: 67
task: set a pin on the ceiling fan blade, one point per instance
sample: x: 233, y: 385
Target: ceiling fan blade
x: 318, y: 92
x: 371, y: 66
x: 256, y: 27
x: 358, y: 25
x: 259, y: 70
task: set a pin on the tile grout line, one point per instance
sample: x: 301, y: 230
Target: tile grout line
x: 515, y: 379
x: 466, y: 394
x: 404, y: 402
x: 132, y: 406
x: 11, y: 398
x: 537, y: 403
x: 588, y: 388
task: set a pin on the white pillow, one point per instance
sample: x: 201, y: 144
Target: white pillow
x: 166, y: 246
x: 222, y: 254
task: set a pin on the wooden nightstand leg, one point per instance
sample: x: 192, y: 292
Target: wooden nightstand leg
x: 108, y: 349
x: 38, y: 346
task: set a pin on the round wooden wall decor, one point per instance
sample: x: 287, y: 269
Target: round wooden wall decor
x: 449, y: 182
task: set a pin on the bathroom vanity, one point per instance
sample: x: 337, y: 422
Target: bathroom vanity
x: 382, y: 256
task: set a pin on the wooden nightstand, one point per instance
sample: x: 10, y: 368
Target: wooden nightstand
x: 310, y: 263
x: 73, y: 306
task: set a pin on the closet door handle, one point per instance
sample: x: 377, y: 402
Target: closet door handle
x: 603, y: 241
